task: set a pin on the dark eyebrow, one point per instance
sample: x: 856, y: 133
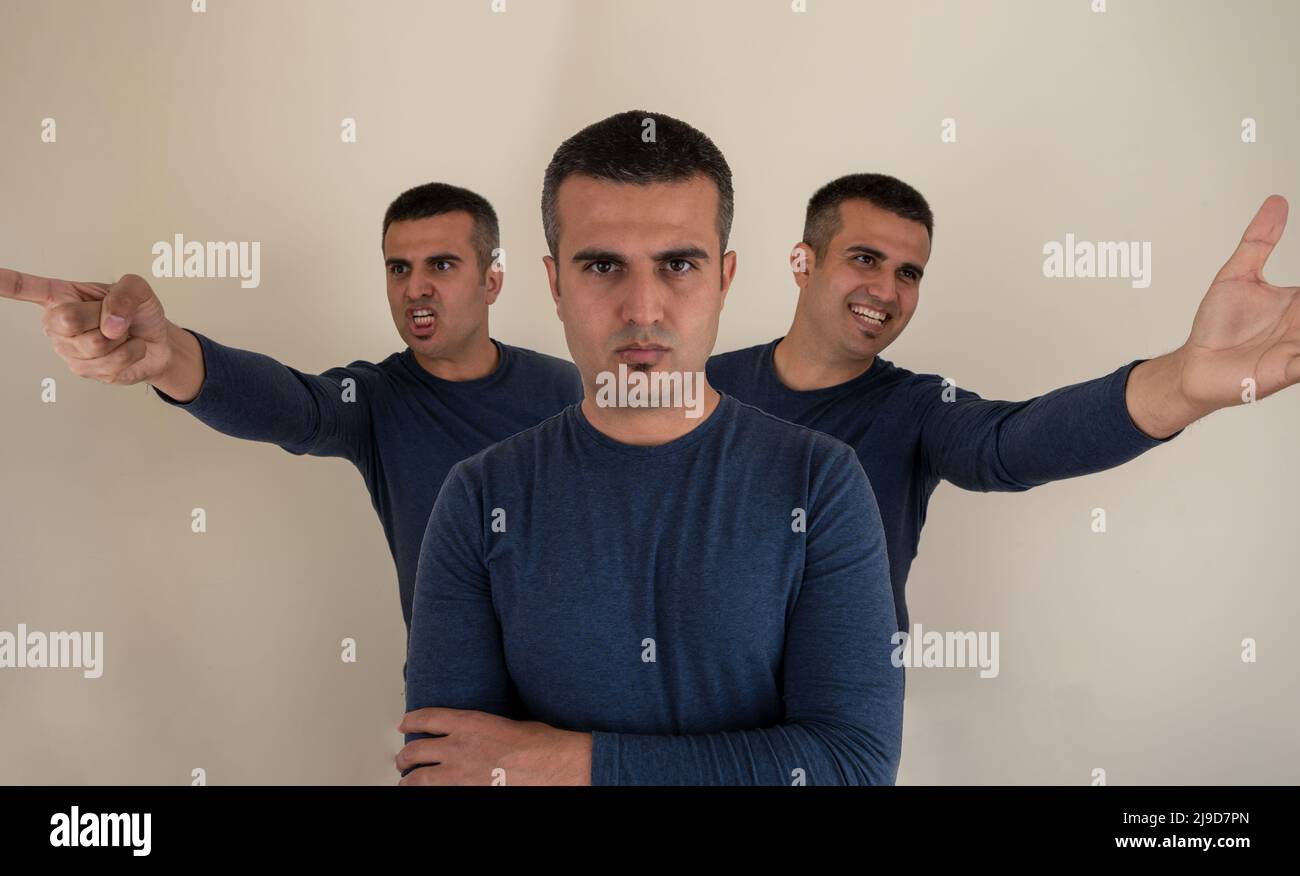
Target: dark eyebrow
x: 605, y: 255
x: 436, y: 257
x: 863, y: 249
x: 598, y: 255
x: 682, y: 252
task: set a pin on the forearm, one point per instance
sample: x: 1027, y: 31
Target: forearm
x: 1080, y: 429
x: 806, y: 752
x: 183, y: 377
x: 1155, y: 397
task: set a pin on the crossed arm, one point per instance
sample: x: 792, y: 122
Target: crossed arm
x: 842, y: 694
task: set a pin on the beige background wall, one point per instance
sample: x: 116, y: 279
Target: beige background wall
x: 1119, y: 651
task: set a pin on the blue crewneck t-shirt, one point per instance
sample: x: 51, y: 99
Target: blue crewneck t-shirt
x: 715, y: 609
x: 402, y: 427
x: 910, y: 431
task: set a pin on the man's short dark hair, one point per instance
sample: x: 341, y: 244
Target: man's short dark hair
x: 434, y: 199
x: 616, y: 149
x: 822, y: 220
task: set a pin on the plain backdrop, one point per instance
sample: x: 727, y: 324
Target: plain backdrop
x: 1119, y: 651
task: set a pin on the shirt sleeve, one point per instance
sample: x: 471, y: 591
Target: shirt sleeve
x: 455, y: 658
x: 981, y: 444
x: 842, y: 692
x: 252, y: 396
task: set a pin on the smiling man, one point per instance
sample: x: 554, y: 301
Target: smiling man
x: 631, y: 595
x: 402, y: 422
x: 865, y: 245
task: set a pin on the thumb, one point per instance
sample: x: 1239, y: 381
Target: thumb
x: 121, y: 305
x: 1262, y: 234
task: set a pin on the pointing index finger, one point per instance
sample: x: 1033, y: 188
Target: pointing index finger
x: 45, y: 290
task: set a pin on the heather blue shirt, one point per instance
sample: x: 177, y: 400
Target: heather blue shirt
x: 908, y: 437
x: 665, y: 599
x: 403, y: 429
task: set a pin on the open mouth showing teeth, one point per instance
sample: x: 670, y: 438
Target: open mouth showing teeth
x: 422, y: 318
x: 872, y: 317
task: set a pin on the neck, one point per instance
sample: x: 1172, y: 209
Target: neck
x: 647, y: 427
x: 804, y: 362
x: 477, y: 358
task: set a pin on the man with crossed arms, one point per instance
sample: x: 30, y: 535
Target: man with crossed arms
x: 627, y: 595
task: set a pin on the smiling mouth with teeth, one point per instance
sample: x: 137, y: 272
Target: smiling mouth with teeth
x: 867, y: 314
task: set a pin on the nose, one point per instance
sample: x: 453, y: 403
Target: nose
x: 885, y: 290
x: 643, y: 302
x: 418, y: 286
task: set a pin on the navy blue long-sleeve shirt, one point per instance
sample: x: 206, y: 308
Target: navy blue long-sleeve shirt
x: 715, y: 610
x: 402, y: 427
x: 908, y: 437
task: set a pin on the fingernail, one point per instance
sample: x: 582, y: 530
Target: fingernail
x: 115, y: 323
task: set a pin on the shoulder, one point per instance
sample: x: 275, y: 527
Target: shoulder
x: 548, y: 382
x: 515, y: 454
x: 830, y: 467
x: 363, y: 368
x: 542, y: 361
x: 925, y: 392
x: 758, y: 428
x: 737, y: 359
x: 908, y: 379
x: 912, y: 390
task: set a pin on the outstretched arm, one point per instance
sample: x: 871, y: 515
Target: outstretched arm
x: 119, y: 334
x: 1244, y: 344
x: 988, y: 444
